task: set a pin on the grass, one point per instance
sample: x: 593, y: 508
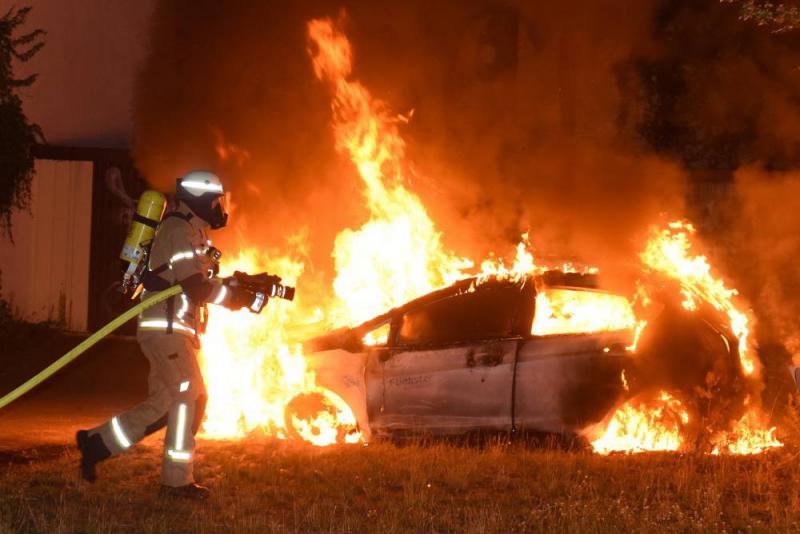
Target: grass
x: 262, y: 485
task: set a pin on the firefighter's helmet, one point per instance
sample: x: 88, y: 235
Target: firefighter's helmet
x: 202, y: 191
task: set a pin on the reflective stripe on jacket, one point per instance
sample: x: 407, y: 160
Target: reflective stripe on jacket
x: 181, y: 246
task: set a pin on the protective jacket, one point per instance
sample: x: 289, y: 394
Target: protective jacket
x: 180, y: 254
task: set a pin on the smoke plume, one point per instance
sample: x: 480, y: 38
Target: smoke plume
x: 524, y: 118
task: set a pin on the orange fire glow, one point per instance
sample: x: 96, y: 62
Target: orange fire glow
x: 641, y: 426
x: 668, y: 251
x: 565, y: 311
x: 398, y: 254
x: 748, y: 436
x: 254, y: 369
x: 633, y: 427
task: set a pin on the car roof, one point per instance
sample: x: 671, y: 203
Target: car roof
x: 549, y: 278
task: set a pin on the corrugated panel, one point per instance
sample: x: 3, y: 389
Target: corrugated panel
x: 45, y: 273
x: 116, y: 186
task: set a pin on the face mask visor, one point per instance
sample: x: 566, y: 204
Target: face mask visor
x: 219, y: 213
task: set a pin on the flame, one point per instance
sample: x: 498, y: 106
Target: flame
x: 638, y: 426
x: 398, y: 254
x: 253, y: 370
x: 258, y: 379
x: 637, y: 334
x: 668, y: 251
x: 644, y: 425
x: 330, y: 421
x: 747, y: 436
x: 379, y: 336
x: 564, y: 311
x: 524, y: 264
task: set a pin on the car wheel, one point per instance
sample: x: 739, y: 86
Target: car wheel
x: 313, y: 417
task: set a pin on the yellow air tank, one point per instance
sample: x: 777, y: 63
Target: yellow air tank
x: 148, y: 214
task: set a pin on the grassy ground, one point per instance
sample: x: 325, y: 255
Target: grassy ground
x: 262, y: 485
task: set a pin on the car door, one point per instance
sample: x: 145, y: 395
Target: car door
x: 450, y: 366
x: 567, y: 380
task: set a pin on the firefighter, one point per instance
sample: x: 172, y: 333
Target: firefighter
x: 168, y: 332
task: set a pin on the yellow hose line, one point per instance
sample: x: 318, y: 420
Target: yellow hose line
x: 56, y: 366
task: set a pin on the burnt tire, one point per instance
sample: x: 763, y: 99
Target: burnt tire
x: 306, y: 414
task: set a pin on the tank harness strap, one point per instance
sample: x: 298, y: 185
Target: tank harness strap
x: 151, y: 279
x: 153, y: 282
x: 161, y: 268
x: 144, y: 220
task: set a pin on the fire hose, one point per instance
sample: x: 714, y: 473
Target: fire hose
x: 89, y: 342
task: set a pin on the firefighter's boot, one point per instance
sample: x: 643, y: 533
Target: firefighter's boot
x: 93, y: 451
x: 192, y: 491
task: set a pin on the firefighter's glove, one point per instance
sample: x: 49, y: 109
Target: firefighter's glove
x: 240, y: 298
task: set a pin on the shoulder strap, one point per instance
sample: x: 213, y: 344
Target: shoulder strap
x: 153, y: 282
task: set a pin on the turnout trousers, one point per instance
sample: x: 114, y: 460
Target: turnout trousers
x: 176, y: 399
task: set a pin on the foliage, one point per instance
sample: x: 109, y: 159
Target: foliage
x: 18, y: 136
x: 16, y: 334
x: 780, y: 17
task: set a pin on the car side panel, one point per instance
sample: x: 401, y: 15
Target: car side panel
x: 563, y: 383
x: 442, y: 391
x: 343, y: 373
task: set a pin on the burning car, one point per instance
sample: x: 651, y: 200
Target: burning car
x: 515, y: 348
x: 535, y: 354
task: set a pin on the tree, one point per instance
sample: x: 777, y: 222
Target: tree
x: 18, y: 136
x: 780, y: 17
